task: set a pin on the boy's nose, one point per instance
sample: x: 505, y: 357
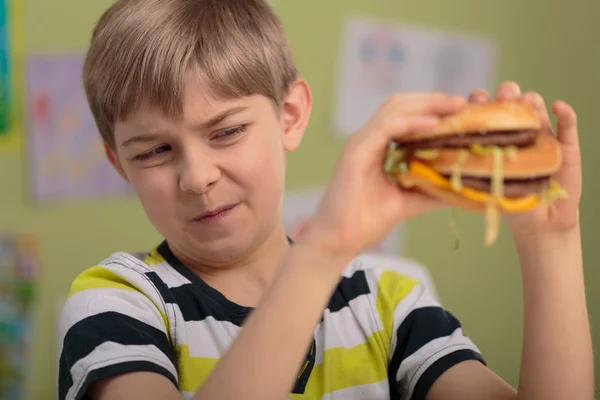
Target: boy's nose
x: 197, y: 173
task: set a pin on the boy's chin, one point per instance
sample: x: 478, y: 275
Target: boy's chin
x: 221, y: 250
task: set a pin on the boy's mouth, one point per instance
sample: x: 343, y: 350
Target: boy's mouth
x: 216, y: 214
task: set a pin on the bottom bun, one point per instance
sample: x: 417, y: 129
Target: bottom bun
x: 449, y: 196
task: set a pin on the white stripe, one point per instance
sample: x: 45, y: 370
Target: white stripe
x: 129, y: 261
x: 187, y: 395
x: 110, y: 353
x: 134, y: 272
x: 373, y: 276
x: 349, y: 327
x: 208, y: 338
x: 169, y: 275
x: 92, y: 302
x: 352, y: 267
x: 379, y: 390
x: 414, y: 366
x: 319, y: 344
x: 419, y: 297
x: 404, y: 266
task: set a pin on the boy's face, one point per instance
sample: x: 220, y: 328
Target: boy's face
x: 212, y: 181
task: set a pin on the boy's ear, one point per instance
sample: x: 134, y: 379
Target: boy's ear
x: 295, y: 114
x: 111, y: 154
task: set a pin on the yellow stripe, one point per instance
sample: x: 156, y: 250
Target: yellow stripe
x: 154, y: 258
x: 345, y: 368
x: 99, y: 277
x: 192, y: 371
x: 342, y: 368
x: 392, y: 288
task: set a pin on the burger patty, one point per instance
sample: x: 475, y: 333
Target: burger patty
x: 512, y: 187
x: 500, y: 138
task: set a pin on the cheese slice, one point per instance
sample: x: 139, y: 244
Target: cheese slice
x: 510, y: 204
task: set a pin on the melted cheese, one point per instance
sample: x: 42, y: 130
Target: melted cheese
x: 518, y: 204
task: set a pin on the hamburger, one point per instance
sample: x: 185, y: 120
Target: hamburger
x: 491, y: 158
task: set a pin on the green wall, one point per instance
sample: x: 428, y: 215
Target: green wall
x: 541, y: 46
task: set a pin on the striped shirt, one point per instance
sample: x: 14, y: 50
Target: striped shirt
x: 382, y: 336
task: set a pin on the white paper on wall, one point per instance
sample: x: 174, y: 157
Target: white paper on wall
x: 380, y: 58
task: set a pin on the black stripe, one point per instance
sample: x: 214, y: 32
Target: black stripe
x: 164, y: 250
x: 439, y: 367
x: 199, y: 300
x: 89, y: 333
x: 349, y: 289
x: 161, y: 286
x: 302, y: 380
x: 197, y: 305
x: 112, y: 370
x: 420, y: 327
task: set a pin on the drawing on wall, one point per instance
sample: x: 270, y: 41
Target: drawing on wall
x: 380, y: 58
x: 66, y: 153
x: 10, y: 31
x: 299, y: 207
x: 5, y: 84
x: 19, y: 271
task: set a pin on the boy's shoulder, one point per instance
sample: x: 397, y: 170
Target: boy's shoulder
x: 135, y: 268
x: 388, y: 269
x: 142, y: 269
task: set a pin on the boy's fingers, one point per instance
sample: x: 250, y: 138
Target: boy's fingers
x: 428, y: 107
x: 393, y: 127
x: 424, y: 104
x: 479, y: 96
x: 418, y: 203
x: 537, y: 101
x: 508, y: 90
x: 402, y: 125
x: 567, y: 132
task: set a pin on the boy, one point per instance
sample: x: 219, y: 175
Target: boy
x: 197, y: 102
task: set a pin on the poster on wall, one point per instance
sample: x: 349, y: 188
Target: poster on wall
x: 10, y: 29
x: 379, y: 58
x: 65, y: 151
x: 299, y: 207
x: 19, y: 271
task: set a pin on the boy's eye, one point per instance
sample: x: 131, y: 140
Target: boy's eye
x: 152, y: 153
x: 231, y: 132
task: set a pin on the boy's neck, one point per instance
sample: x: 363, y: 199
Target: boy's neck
x: 246, y: 280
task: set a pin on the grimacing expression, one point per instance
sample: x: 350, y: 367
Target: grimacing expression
x: 211, y: 182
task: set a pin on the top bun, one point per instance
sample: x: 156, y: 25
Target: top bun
x: 482, y: 117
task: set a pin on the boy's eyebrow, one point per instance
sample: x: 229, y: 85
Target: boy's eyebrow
x: 144, y: 137
x: 217, y: 119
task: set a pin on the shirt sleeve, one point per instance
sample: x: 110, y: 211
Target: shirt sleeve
x: 426, y: 339
x: 109, y: 327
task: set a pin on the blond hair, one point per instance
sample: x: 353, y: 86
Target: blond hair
x: 141, y: 51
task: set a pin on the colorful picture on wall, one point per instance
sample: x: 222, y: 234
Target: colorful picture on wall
x: 380, y: 58
x: 10, y: 74
x: 19, y: 271
x: 66, y: 154
x: 5, y: 84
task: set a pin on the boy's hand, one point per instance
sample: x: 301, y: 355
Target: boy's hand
x: 562, y: 215
x: 361, y: 206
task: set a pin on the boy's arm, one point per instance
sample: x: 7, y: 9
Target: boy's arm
x: 276, y: 336
x: 557, y: 351
x: 279, y: 332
